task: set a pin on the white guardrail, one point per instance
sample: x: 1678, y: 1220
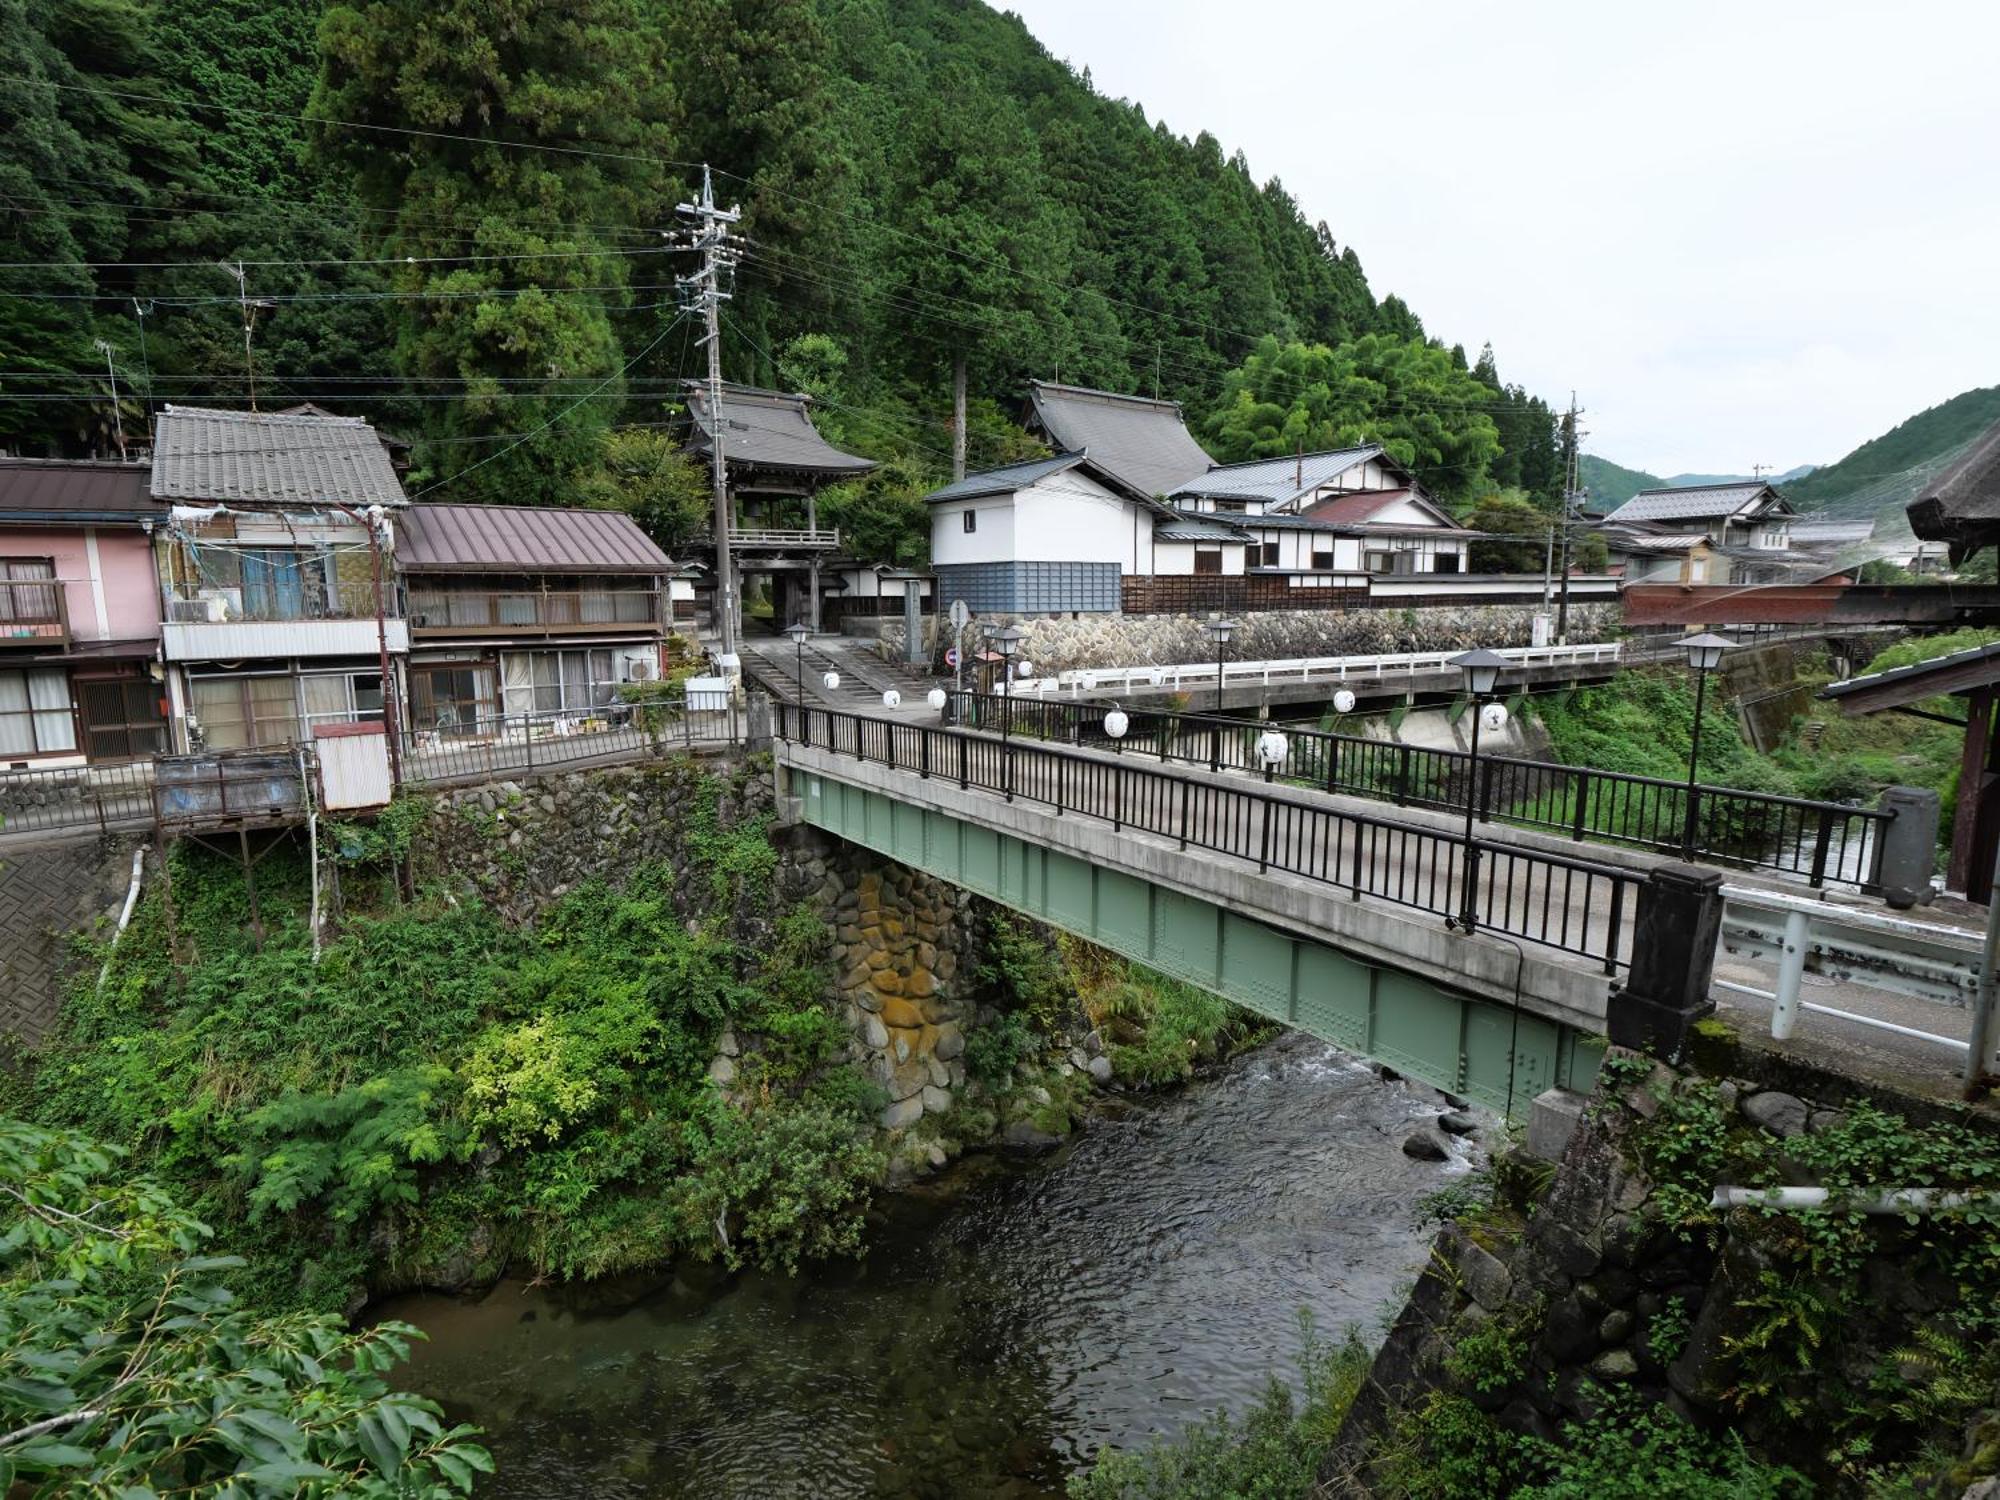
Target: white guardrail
x: 1331, y: 669
x: 1921, y: 959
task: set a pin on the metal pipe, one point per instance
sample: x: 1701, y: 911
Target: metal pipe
x: 1791, y: 970
x: 124, y: 916
x: 1984, y: 1040
x: 1694, y: 763
x: 1881, y: 1201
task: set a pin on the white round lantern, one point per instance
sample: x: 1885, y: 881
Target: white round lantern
x: 1493, y: 716
x: 1155, y: 677
x: 1025, y: 669
x: 1343, y: 702
x: 1115, y: 723
x: 937, y: 699
x: 832, y: 681
x: 1085, y: 683
x: 1272, y: 748
x: 892, y: 699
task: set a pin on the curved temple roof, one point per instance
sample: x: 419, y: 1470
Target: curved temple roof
x: 767, y: 430
x: 1144, y: 442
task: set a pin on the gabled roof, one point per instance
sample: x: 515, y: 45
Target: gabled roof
x: 1276, y: 480
x: 1365, y: 505
x: 76, y: 491
x: 767, y: 430
x: 269, y: 458
x: 1962, y: 506
x: 1010, y: 477
x: 523, y: 539
x: 1697, y: 502
x: 1144, y: 442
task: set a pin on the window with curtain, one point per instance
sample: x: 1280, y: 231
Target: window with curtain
x: 35, y: 717
x: 572, y: 681
x: 246, y: 713
x: 451, y: 699
x: 21, y: 596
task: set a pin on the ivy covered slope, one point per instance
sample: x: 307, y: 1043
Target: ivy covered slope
x: 443, y: 1091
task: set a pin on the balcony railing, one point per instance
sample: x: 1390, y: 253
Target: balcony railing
x: 515, y: 612
x: 310, y: 599
x: 777, y: 539
x: 32, y: 613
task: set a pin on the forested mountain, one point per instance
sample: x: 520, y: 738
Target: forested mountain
x: 449, y: 217
x: 1884, y: 474
x: 1609, y: 484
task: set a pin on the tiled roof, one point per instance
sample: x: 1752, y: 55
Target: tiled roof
x: 74, y: 490
x: 1693, y: 502
x: 264, y: 458
x: 522, y: 539
x: 1010, y: 477
x: 1276, y: 479
x: 1831, y: 533
x: 1189, y: 528
x: 1145, y: 443
x: 769, y: 430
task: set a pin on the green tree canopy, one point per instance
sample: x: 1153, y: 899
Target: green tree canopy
x: 1409, y: 396
x: 127, y: 1368
x: 1510, y: 513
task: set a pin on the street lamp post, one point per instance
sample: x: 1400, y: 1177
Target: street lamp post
x: 1479, y: 670
x: 1704, y: 654
x: 798, y: 630
x: 1219, y: 630
x: 1007, y: 642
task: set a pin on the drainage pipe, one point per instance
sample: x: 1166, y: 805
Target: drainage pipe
x: 125, y: 916
x: 1883, y: 1201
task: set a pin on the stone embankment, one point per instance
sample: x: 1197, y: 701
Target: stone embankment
x: 1095, y: 641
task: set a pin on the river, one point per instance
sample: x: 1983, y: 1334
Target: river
x: 1006, y: 1322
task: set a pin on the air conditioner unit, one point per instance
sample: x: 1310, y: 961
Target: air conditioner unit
x: 641, y: 669
x: 223, y: 604
x: 203, y: 611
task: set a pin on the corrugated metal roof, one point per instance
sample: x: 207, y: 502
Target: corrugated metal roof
x: 1277, y: 479
x: 1831, y: 533
x: 1916, y: 671
x: 76, y: 490
x: 1692, y: 502
x: 1145, y: 443
x: 769, y: 430
x: 522, y: 539
x: 264, y: 458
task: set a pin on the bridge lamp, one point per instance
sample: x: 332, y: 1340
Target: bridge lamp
x: 1008, y: 643
x: 832, y: 681
x: 1480, y: 672
x: 892, y: 699
x: 1115, y: 724
x: 1343, y: 702
x: 798, y: 630
x: 1493, y: 717
x: 1219, y: 630
x: 1272, y: 748
x: 937, y: 698
x: 1704, y: 654
x: 1155, y: 677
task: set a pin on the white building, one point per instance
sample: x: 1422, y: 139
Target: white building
x: 1745, y: 523
x: 1131, y: 515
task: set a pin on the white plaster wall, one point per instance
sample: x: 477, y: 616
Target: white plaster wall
x: 992, y: 542
x: 1070, y: 518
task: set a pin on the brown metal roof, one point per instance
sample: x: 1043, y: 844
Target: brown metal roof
x: 40, y: 491
x: 522, y: 539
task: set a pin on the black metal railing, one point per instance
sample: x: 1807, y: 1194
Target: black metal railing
x: 99, y: 797
x: 528, y: 744
x: 1819, y: 841
x: 1576, y: 905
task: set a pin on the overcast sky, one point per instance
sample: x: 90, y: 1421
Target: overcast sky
x: 1752, y: 232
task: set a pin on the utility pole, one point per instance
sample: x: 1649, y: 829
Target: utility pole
x: 117, y: 422
x: 958, y: 415
x: 1571, y: 499
x: 703, y: 288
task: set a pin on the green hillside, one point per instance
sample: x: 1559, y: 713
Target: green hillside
x: 1610, y: 484
x: 1884, y: 474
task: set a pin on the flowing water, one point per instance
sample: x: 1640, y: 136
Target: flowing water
x: 1002, y: 1326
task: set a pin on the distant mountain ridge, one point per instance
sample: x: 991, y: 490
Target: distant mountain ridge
x: 1611, y: 484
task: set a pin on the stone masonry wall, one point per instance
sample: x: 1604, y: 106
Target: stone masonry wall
x: 1594, y: 1271
x: 1136, y: 640
x: 45, y: 895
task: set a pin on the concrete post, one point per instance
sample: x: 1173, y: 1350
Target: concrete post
x: 1908, y: 851
x: 1674, y: 937
x: 757, y: 723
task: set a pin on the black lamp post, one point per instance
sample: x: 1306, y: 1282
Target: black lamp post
x: 1480, y: 671
x: 1219, y: 630
x: 798, y: 630
x: 1007, y: 642
x: 1704, y: 654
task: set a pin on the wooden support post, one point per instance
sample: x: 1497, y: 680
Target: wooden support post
x: 1964, y: 872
